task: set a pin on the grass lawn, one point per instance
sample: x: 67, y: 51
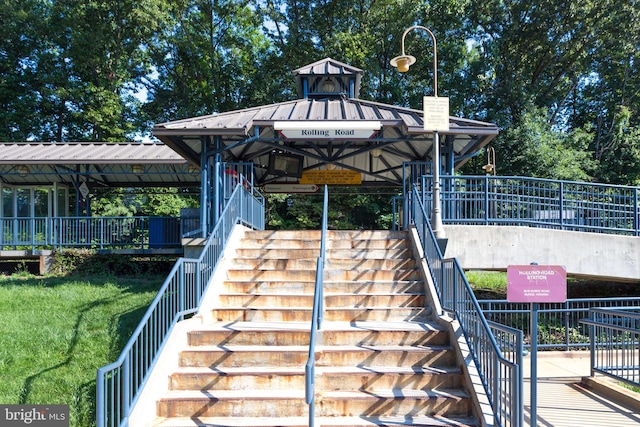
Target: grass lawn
x: 55, y: 332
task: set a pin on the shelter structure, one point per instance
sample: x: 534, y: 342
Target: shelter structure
x: 54, y: 179
x: 326, y: 136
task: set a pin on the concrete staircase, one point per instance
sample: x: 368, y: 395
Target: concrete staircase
x: 380, y: 361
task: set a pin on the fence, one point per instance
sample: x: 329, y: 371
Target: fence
x: 133, y: 232
x: 564, y: 205
x: 615, y: 343
x: 559, y: 326
x: 501, y: 376
x: 119, y: 384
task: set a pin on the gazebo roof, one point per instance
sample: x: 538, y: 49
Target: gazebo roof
x: 328, y: 90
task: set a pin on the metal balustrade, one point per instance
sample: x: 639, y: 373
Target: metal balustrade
x: 533, y: 202
x: 559, y: 324
x: 499, y: 362
x: 615, y: 343
x: 119, y: 384
x: 132, y: 232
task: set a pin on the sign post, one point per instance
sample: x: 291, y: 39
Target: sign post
x: 535, y: 284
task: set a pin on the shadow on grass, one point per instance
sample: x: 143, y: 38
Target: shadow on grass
x: 122, y: 325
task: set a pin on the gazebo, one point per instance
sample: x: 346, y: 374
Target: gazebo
x: 326, y: 136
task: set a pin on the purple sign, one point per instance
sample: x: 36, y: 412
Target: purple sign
x: 536, y: 283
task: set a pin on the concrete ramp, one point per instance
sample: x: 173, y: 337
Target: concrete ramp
x: 588, y: 255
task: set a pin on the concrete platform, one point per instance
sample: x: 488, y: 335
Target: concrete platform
x: 567, y: 396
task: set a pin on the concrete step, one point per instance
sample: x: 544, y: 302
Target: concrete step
x: 333, y: 333
x: 291, y: 403
x: 327, y: 378
x: 296, y: 356
x: 312, y: 244
x: 311, y: 264
x: 362, y: 421
x: 263, y: 287
x: 331, y: 254
x: 303, y: 314
x: 330, y: 274
x: 331, y: 234
x: 331, y: 300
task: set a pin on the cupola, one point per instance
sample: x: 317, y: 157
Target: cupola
x: 328, y: 78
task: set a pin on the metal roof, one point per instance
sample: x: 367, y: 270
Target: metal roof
x: 249, y: 134
x: 97, y: 163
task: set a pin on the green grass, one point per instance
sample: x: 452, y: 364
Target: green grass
x: 56, y: 332
x: 487, y: 281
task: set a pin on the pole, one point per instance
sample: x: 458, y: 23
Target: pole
x: 436, y: 220
x: 534, y: 364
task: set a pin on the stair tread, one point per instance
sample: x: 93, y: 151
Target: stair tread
x: 300, y: 394
x: 310, y: 308
x: 319, y: 348
x: 326, y: 294
x: 401, y: 326
x: 320, y: 370
x: 390, y: 421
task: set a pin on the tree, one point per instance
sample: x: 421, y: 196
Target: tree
x: 207, y: 59
x: 535, y: 149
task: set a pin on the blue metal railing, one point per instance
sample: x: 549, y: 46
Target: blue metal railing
x: 615, y: 343
x: 501, y: 376
x: 563, y: 205
x: 131, y: 232
x: 524, y: 201
x: 318, y: 309
x: 559, y: 323
x: 119, y: 384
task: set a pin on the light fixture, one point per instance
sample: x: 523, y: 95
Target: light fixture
x: 330, y: 166
x: 23, y: 170
x: 376, y: 152
x: 193, y: 170
x: 490, y: 167
x: 328, y: 85
x: 403, y: 62
x: 137, y: 169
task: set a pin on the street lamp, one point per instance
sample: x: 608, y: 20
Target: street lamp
x: 403, y: 62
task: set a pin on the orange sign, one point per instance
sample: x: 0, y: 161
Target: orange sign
x: 336, y: 177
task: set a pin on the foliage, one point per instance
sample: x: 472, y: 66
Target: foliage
x: 349, y: 209
x: 141, y: 202
x: 559, y: 78
x: 535, y: 149
x: 88, y: 263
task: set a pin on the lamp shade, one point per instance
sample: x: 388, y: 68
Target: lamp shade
x: 403, y: 62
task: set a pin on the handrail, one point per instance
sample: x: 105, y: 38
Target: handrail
x: 318, y: 309
x: 532, y: 202
x: 119, y: 383
x: 96, y: 232
x: 561, y: 323
x: 614, y: 343
x: 501, y: 378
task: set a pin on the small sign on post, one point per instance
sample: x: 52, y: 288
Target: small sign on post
x: 436, y: 113
x: 536, y: 283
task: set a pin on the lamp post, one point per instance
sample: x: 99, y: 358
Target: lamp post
x: 403, y: 62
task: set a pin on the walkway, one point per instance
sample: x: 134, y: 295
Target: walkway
x: 563, y: 401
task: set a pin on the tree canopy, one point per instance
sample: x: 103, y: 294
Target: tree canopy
x: 560, y: 78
